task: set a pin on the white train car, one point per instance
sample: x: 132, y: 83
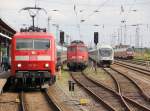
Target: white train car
x: 104, y: 55
x: 61, y: 55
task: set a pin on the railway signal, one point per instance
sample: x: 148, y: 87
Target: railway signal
x: 95, y: 38
x: 95, y: 41
x: 62, y: 37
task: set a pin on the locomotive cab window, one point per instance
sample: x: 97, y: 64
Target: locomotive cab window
x: 105, y: 52
x: 71, y: 49
x: 24, y: 44
x: 32, y: 44
x: 82, y: 49
x: 129, y: 49
x: 41, y: 44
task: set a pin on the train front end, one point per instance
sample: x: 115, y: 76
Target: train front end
x: 77, y: 56
x: 106, y: 55
x: 129, y: 53
x: 33, y: 58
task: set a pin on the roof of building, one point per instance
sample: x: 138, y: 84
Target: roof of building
x: 6, y: 26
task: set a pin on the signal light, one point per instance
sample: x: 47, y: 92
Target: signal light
x: 61, y: 37
x: 96, y: 37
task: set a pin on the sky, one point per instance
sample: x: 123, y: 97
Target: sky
x: 79, y: 19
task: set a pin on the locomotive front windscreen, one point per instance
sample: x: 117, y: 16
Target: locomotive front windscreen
x: 32, y: 44
x: 71, y: 49
x: 82, y: 49
x: 130, y: 49
x: 105, y: 52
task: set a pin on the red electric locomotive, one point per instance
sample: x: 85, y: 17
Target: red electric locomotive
x: 33, y: 58
x: 123, y: 52
x: 77, y: 55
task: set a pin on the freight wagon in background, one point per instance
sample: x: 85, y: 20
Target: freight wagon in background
x: 77, y: 55
x: 61, y: 55
x: 33, y: 58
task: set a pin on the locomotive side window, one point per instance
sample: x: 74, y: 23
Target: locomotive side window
x: 24, y: 44
x: 42, y: 44
x: 32, y: 44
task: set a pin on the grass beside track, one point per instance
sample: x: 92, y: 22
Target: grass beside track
x: 100, y: 75
x: 143, y: 56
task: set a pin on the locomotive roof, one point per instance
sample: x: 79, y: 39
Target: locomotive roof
x: 76, y: 45
x: 103, y: 46
x: 29, y: 34
x: 99, y: 46
x: 77, y: 42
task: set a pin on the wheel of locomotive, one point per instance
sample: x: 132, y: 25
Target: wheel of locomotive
x: 70, y: 68
x: 52, y: 80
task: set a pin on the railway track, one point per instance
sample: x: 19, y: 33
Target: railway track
x: 136, y: 62
x: 134, y: 67
x: 130, y: 90
x: 37, y: 101
x: 111, y: 100
x: 134, y: 100
x: 8, y: 102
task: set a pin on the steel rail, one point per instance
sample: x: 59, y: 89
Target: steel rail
x: 117, y: 93
x: 138, y: 69
x: 132, y: 101
x: 51, y: 102
x: 137, y: 62
x: 106, y: 88
x: 134, y: 82
x: 22, y: 102
x: 124, y: 97
x: 94, y: 95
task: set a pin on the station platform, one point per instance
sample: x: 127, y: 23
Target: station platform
x: 4, y: 74
x: 3, y: 79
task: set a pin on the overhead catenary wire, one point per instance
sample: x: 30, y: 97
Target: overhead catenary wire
x: 89, y: 5
x: 95, y: 11
x: 76, y: 16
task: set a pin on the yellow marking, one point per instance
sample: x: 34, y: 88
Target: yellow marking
x: 17, y: 100
x: 84, y: 101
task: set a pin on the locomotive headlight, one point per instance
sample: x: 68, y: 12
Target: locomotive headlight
x: 19, y: 65
x: 46, y: 65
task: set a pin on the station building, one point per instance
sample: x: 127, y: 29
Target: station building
x: 6, y: 34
